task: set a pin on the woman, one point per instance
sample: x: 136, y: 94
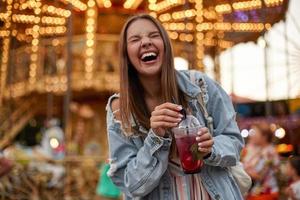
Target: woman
x: 140, y: 117
x: 6, y: 165
x: 262, y: 165
x: 293, y: 172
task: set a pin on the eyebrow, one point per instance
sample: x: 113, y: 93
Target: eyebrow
x: 136, y: 36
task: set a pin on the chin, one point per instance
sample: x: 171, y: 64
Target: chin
x: 150, y: 71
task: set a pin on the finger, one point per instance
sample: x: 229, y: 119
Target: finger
x: 163, y: 125
x: 168, y: 112
x: 165, y: 118
x: 204, y: 137
x: 204, y: 150
x: 169, y: 105
x: 206, y: 144
x: 202, y: 131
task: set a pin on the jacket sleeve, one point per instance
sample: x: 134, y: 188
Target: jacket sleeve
x: 136, y: 171
x: 228, y: 141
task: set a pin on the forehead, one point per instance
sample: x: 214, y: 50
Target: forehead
x: 140, y: 27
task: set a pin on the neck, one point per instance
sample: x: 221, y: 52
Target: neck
x: 152, y: 86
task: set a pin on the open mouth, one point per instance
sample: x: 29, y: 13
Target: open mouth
x: 150, y: 56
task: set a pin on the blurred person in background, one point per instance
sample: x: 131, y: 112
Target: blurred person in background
x: 51, y: 149
x: 293, y: 171
x: 251, y: 149
x: 262, y: 163
x: 5, y: 165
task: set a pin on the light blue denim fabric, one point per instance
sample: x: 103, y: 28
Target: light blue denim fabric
x: 139, y: 165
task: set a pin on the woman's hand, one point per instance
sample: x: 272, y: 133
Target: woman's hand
x: 205, y: 141
x: 165, y: 116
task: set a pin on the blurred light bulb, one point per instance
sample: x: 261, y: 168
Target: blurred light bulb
x: 262, y: 42
x: 181, y: 63
x: 280, y: 133
x: 245, y: 133
x: 251, y: 132
x: 54, y: 143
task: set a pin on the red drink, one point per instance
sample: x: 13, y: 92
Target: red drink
x: 187, y: 146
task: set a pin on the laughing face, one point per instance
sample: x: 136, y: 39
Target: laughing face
x: 145, y: 47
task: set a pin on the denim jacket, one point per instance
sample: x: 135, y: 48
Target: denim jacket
x: 140, y: 167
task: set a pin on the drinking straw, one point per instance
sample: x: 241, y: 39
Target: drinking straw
x: 183, y: 112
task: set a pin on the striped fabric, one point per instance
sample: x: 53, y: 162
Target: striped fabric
x: 186, y: 186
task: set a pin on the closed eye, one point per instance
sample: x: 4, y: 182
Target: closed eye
x: 134, y: 39
x: 154, y: 35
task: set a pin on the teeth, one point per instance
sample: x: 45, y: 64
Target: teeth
x: 148, y: 54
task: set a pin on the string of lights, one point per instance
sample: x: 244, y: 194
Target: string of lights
x: 34, y: 19
x: 179, y: 15
x: 163, y: 5
x: 49, y: 30
x: 29, y: 4
x: 132, y: 4
x: 76, y: 4
x: 57, y: 84
x: 53, y: 20
x: 4, y: 33
x: 34, y: 47
x: 48, y: 9
x: 218, y: 26
x: 245, y: 5
x: 27, y: 19
x: 52, y: 10
x: 3, y: 16
x: 104, y: 3
x: 271, y: 3
x: 91, y: 24
x: 184, y: 37
x: 179, y: 26
x: 5, y: 49
x: 199, y: 35
x: 209, y: 14
x: 187, y: 37
x: 225, y: 44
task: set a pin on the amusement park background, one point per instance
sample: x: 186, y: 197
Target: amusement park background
x: 59, y: 65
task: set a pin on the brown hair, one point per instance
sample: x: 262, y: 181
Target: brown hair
x: 132, y: 104
x: 295, y: 163
x: 265, y: 130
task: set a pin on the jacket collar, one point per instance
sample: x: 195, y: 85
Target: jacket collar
x: 185, y: 84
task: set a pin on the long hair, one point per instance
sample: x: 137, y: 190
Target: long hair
x: 295, y: 163
x: 132, y: 102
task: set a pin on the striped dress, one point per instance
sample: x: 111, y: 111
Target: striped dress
x: 186, y: 186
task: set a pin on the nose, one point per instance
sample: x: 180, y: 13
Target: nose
x: 146, y: 42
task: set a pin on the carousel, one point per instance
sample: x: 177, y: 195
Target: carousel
x: 59, y: 64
